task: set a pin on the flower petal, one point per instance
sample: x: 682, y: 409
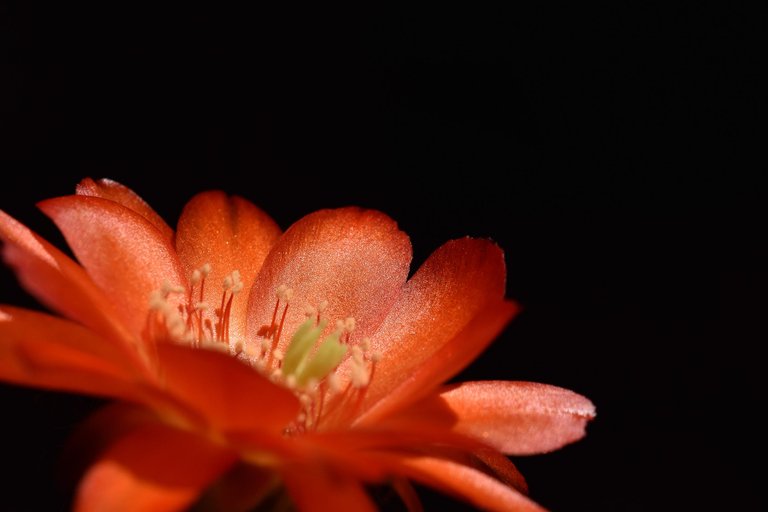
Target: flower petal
x: 356, y: 450
x: 58, y: 281
x: 451, y: 358
x: 229, y: 233
x: 459, y: 480
x: 455, y: 284
x: 114, y: 191
x: 155, y: 468
x: 502, y: 468
x: 225, y: 391
x: 315, y: 489
x: 517, y: 418
x: 123, y: 253
x: 98, y: 433
x: 40, y: 350
x: 355, y: 259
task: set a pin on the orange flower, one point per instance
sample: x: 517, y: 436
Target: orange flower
x: 247, y: 361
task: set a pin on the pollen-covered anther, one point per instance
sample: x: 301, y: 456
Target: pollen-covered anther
x: 164, y: 319
x: 232, y: 282
x: 167, y: 289
x: 305, y: 399
x: 334, y: 383
x: 156, y: 301
x: 360, y: 376
x: 284, y: 293
x: 312, y: 385
x: 357, y: 355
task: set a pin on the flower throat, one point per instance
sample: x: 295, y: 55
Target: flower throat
x: 310, y: 366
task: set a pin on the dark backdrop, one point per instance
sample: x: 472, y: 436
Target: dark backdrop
x: 601, y: 146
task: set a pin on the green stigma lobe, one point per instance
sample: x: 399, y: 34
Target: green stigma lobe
x: 301, y: 345
x: 327, y: 358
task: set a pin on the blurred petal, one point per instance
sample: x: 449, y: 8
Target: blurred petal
x: 358, y: 449
x: 114, y: 191
x: 225, y: 391
x: 454, y: 286
x: 451, y: 358
x: 355, y: 259
x: 100, y: 431
x: 44, y: 351
x: 154, y: 468
x: 57, y: 281
x: 315, y: 489
x: 123, y: 253
x: 466, y: 483
x: 243, y: 488
x: 229, y: 233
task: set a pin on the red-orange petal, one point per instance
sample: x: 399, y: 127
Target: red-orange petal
x: 517, y: 418
x: 155, y: 468
x: 99, y: 432
x: 114, y: 191
x: 502, y: 468
x: 451, y: 288
x: 316, y: 489
x: 59, y: 282
x: 452, y: 357
x: 225, y: 392
x: 229, y: 233
x: 458, y: 480
x: 123, y: 253
x: 356, y: 260
x: 40, y: 350
x: 356, y: 450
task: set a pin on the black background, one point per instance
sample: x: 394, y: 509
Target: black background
x: 602, y: 146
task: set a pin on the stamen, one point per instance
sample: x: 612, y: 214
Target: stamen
x: 334, y: 383
x: 284, y: 293
x: 308, y: 364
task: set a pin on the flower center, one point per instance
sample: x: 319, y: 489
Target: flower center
x: 311, y: 365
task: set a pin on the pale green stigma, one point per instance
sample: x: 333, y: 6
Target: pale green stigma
x: 297, y: 362
x: 327, y: 358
